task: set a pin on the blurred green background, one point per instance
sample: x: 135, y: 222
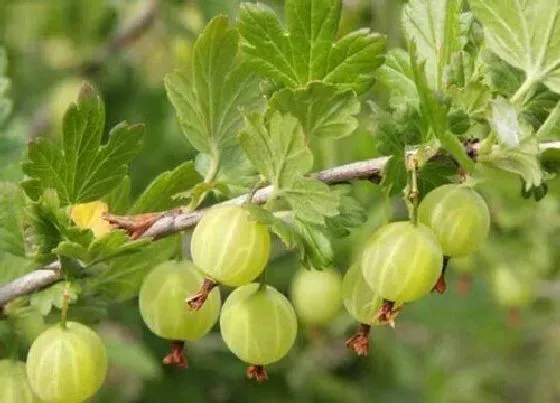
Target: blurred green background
x: 469, y: 345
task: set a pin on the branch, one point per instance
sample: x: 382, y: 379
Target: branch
x: 30, y: 282
x: 174, y: 221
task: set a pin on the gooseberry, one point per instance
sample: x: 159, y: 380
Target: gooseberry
x: 259, y: 325
x: 66, y: 364
x: 316, y: 295
x: 13, y: 383
x: 162, y: 305
x: 229, y: 247
x: 402, y: 261
x: 459, y: 217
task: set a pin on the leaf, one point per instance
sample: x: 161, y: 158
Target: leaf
x: 51, y: 225
x: 433, y: 110
x: 121, y: 278
x: 435, y: 28
x: 318, y: 252
x: 82, y: 170
x: 158, y: 196
x: 118, y: 199
x: 281, y: 228
x: 209, y: 97
x: 198, y: 192
x: 397, y: 76
x: 235, y: 170
x: 277, y: 147
x: 306, y: 50
x: 112, y: 245
x: 524, y: 164
x: 351, y: 215
x: 526, y: 34
x: 311, y: 200
x: 434, y: 174
x: 551, y: 127
x: 12, y: 202
x: 504, y: 122
x: 44, y: 300
x: 322, y: 109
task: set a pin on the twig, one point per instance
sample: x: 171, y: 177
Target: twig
x: 172, y: 222
x: 30, y: 282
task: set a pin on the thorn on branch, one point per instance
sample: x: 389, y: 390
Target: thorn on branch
x: 257, y: 372
x: 177, y: 356
x: 359, y: 342
x: 197, y: 300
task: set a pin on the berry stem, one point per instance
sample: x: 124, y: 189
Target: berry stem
x: 197, y: 300
x: 441, y: 286
x: 65, y: 303
x: 412, y: 188
x: 359, y: 342
x: 257, y: 372
x: 176, y: 357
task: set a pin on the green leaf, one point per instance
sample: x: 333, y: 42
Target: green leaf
x: 51, y: 225
x: 524, y: 164
x: 208, y: 98
x: 433, y: 110
x: 322, y: 109
x: 12, y: 203
x: 158, y: 196
x: 318, y: 252
x: 435, y: 28
x: 306, y: 50
x: 434, y: 174
x: 311, y: 200
x: 110, y: 246
x: 397, y: 76
x: 118, y: 199
x: 82, y: 170
x: 526, y: 34
x: 122, y: 277
x: 277, y: 147
x: 551, y: 127
x: 351, y: 215
x: 235, y: 170
x: 281, y: 228
x: 44, y: 300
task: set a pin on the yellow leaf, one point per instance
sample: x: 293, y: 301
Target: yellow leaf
x: 89, y: 216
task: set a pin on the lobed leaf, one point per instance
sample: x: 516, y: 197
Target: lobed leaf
x: 209, y: 97
x: 82, y: 169
x: 323, y: 110
x: 158, y: 196
x: 306, y: 50
x: 435, y: 27
x: 526, y: 34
